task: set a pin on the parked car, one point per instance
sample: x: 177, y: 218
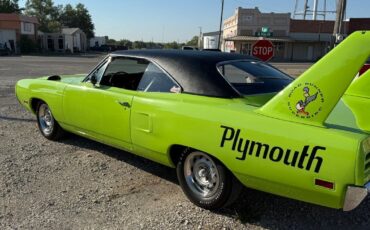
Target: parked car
x: 223, y: 120
x: 4, y: 50
x: 365, y: 67
x: 189, y: 48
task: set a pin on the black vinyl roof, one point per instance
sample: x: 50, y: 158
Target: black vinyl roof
x: 195, y: 71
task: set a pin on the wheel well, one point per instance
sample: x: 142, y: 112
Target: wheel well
x: 34, y: 103
x: 175, y: 152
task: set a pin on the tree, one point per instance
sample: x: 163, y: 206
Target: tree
x: 78, y: 17
x: 111, y: 41
x: 125, y: 42
x: 46, y: 13
x: 172, y: 45
x: 9, y: 6
x: 193, y: 41
x: 139, y: 45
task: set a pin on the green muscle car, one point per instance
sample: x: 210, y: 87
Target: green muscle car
x: 224, y: 120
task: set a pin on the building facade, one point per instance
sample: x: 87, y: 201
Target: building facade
x: 211, y: 40
x: 98, y: 41
x: 13, y: 26
x: 247, y: 26
x: 293, y: 40
x: 69, y: 40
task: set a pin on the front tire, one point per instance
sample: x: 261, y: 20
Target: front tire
x: 48, y: 126
x: 206, y: 182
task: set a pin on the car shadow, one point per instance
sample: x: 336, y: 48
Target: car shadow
x: 252, y: 207
x: 16, y: 119
x: 275, y: 212
x: 146, y: 165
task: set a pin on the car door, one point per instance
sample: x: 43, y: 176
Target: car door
x: 103, y: 109
x: 154, y: 113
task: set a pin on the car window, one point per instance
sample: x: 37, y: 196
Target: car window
x: 155, y: 80
x: 124, y: 73
x: 100, y: 71
x: 253, y: 77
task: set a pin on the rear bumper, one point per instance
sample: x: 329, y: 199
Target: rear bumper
x: 354, y: 196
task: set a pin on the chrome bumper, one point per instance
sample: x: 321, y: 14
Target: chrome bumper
x: 354, y: 196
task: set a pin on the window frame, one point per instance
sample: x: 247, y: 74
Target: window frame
x: 100, y: 64
x: 109, y: 58
x: 218, y: 65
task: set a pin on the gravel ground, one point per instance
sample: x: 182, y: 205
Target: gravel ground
x: 78, y: 183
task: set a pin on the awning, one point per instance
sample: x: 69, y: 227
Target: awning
x: 251, y: 38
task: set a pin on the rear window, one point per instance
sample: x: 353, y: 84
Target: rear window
x: 253, y: 77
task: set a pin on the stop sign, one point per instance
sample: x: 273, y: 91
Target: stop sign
x: 263, y: 49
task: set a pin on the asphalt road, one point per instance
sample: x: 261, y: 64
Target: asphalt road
x: 78, y: 183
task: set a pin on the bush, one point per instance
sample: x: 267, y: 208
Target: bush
x: 27, y: 45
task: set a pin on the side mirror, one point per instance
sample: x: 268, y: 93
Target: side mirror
x: 93, y: 79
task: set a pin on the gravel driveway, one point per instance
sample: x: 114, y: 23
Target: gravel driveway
x: 78, y: 183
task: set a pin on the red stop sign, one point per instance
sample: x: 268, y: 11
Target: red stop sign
x: 263, y: 49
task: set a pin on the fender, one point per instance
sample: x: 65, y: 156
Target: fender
x: 312, y: 97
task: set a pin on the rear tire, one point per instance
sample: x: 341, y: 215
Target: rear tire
x: 48, y: 126
x: 206, y: 182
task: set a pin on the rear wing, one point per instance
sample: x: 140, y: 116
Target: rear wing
x: 311, y: 98
x: 361, y: 86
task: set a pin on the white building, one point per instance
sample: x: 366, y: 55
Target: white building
x: 210, y: 40
x: 74, y: 39
x: 98, y: 41
x: 68, y: 40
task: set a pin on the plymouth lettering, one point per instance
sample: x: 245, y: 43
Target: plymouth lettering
x: 232, y: 138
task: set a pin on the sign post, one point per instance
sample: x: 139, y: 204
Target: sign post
x: 263, y: 49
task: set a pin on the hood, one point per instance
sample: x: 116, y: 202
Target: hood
x: 69, y: 79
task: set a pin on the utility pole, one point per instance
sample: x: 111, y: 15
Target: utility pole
x: 200, y: 38
x: 341, y: 7
x: 305, y: 9
x: 315, y: 7
x: 222, y: 13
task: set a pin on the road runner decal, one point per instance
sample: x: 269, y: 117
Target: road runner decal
x: 303, y: 96
x: 231, y: 139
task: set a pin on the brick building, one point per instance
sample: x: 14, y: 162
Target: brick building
x: 13, y: 26
x: 294, y: 40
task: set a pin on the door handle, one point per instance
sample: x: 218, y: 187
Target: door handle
x: 124, y: 104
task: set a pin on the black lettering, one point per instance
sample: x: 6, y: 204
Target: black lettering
x: 279, y: 156
x: 244, y: 150
x: 236, y: 139
x: 314, y: 157
x: 294, y: 160
x: 258, y: 151
x: 303, y: 156
x: 276, y: 154
x: 225, y: 136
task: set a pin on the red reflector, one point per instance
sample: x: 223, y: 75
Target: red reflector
x: 325, y: 184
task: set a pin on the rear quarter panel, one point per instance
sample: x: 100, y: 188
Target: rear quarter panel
x: 197, y: 122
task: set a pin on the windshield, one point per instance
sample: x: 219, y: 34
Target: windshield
x: 253, y: 77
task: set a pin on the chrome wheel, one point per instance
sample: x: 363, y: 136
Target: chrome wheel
x: 201, y: 174
x: 46, y: 119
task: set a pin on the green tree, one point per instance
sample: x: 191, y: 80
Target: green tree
x: 125, y: 42
x: 111, y: 41
x: 138, y: 45
x: 193, y: 41
x: 46, y: 13
x: 172, y: 45
x: 77, y: 17
x: 9, y: 6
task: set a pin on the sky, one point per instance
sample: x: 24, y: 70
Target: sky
x: 179, y: 20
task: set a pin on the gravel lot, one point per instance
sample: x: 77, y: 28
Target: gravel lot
x: 78, y: 183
